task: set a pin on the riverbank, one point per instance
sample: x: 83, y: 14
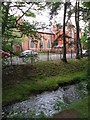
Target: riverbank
x: 19, y: 82
x: 46, y: 104
x: 78, y: 109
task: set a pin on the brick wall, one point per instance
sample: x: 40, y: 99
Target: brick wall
x: 48, y: 39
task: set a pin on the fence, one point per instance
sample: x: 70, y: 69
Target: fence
x: 47, y: 56
x: 55, y: 56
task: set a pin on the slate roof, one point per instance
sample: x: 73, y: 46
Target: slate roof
x: 47, y: 31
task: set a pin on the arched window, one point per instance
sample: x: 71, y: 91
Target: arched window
x: 41, y: 44
x: 32, y: 44
x: 48, y: 44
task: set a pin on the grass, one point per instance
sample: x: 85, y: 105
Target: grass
x: 22, y: 81
x: 81, y: 107
x: 13, y: 75
x: 46, y: 53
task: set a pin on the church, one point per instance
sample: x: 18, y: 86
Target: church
x: 51, y: 39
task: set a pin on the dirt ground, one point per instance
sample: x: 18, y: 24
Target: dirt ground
x: 66, y: 114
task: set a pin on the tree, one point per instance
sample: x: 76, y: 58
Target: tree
x: 54, y: 8
x: 64, y: 38
x: 10, y: 23
x: 76, y: 9
x: 86, y: 18
x: 77, y: 29
x: 12, y: 30
x: 79, y: 12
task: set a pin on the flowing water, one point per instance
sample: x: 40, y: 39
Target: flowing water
x: 47, y: 102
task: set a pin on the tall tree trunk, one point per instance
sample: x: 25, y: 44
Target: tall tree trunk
x: 64, y: 38
x: 80, y: 48
x: 79, y: 36
x: 77, y: 32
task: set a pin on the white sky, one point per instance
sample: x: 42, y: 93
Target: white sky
x: 44, y: 16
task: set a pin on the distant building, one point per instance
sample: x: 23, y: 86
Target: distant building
x: 45, y: 42
x: 50, y: 36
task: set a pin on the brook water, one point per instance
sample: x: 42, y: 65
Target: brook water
x: 47, y: 102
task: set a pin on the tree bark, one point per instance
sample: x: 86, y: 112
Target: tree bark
x: 23, y: 14
x: 64, y: 38
x: 80, y: 48
x: 77, y: 31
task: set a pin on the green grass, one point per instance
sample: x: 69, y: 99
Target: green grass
x: 27, y: 79
x: 81, y: 107
x: 41, y: 70
x: 22, y: 90
x: 46, y: 53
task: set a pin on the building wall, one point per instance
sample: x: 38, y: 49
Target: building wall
x: 45, y: 37
x: 60, y: 40
x: 25, y: 44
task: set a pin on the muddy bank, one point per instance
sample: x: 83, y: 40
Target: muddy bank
x: 66, y: 114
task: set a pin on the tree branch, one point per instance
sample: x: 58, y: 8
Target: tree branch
x: 23, y: 14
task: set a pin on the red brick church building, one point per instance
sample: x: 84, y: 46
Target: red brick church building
x: 48, y: 37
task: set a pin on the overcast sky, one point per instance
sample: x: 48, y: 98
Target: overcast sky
x: 44, y: 16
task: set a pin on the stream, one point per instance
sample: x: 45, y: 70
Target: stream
x: 47, y: 102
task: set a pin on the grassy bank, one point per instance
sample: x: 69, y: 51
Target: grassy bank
x: 21, y: 81
x: 79, y: 106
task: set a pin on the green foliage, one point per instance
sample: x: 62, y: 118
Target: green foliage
x: 20, y: 3
x: 42, y: 116
x: 30, y: 14
x: 81, y: 107
x: 86, y: 4
x: 19, y: 115
x: 55, y: 6
x: 12, y: 32
x: 66, y: 99
x: 28, y: 29
x: 58, y: 105
x: 80, y: 86
x: 5, y: 62
x: 85, y: 11
x: 10, y: 35
x: 84, y: 39
x: 32, y: 116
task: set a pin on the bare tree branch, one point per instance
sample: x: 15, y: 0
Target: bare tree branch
x: 24, y: 13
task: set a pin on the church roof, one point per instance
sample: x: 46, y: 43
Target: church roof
x: 47, y: 31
